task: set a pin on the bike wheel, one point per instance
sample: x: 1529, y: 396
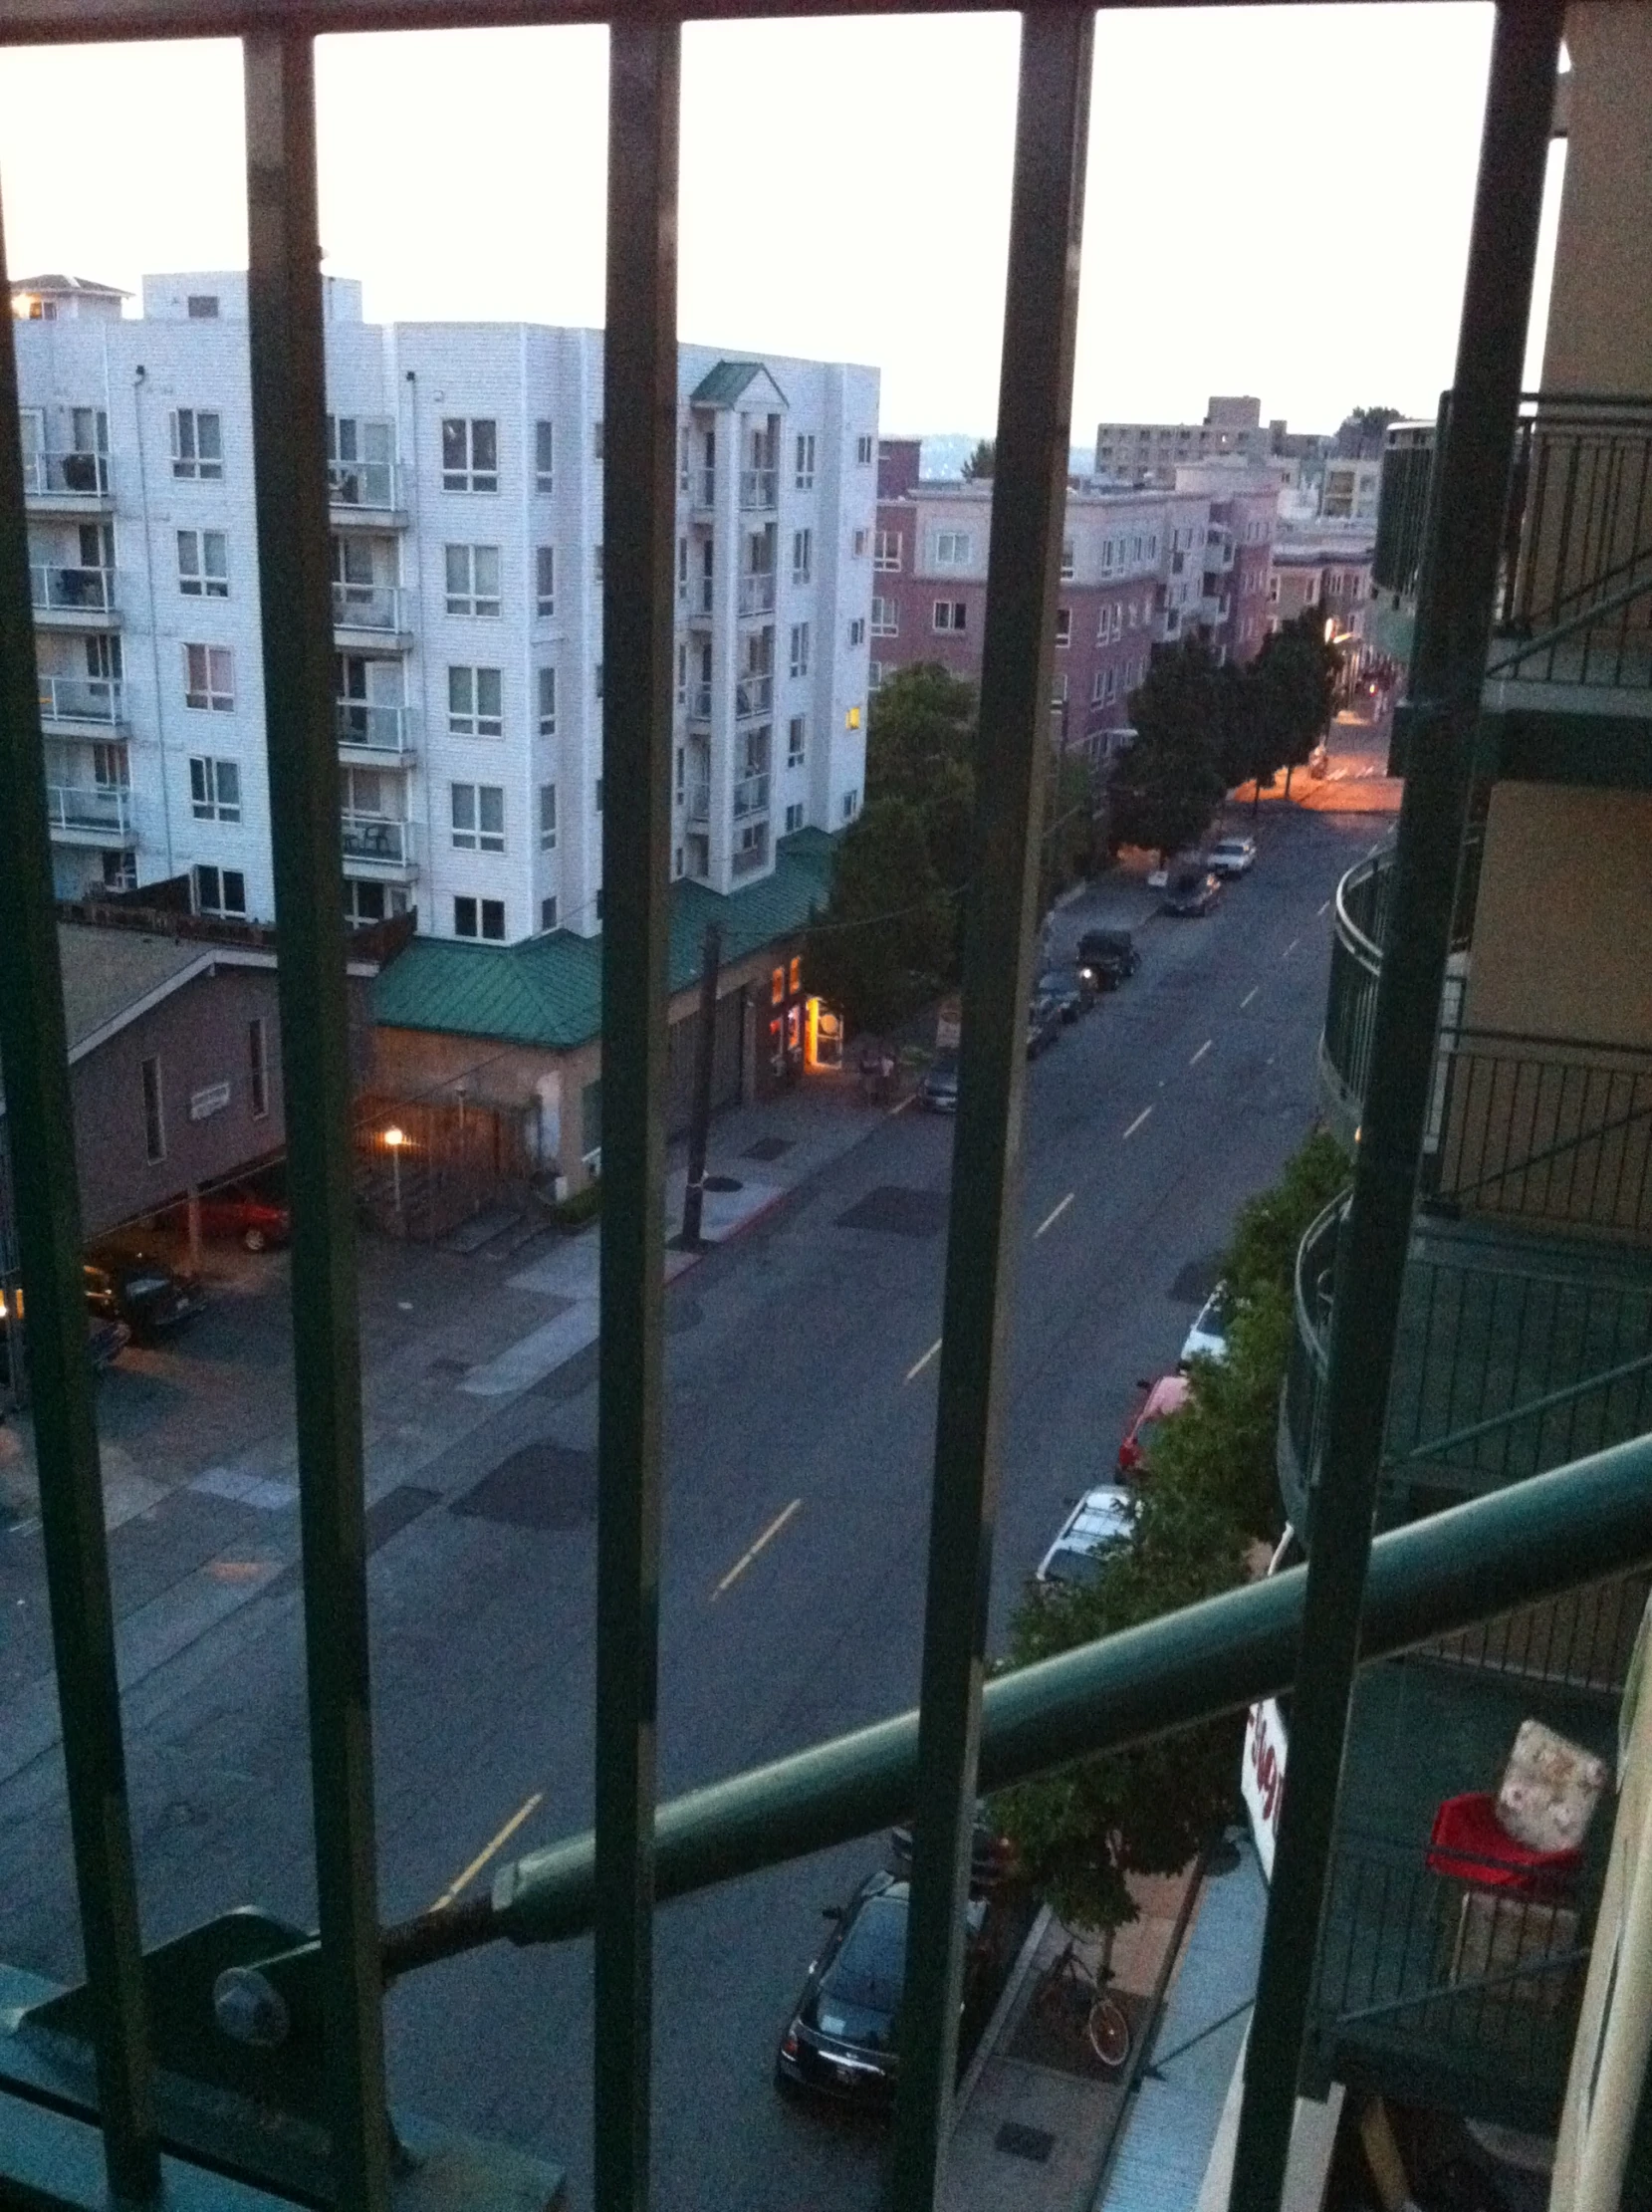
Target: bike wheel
x: 1109, y: 2032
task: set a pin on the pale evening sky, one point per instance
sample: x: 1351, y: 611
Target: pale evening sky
x: 1278, y: 197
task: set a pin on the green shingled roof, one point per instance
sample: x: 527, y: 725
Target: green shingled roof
x: 721, y: 386
x: 546, y: 991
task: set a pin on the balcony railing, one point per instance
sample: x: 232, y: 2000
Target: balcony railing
x: 758, y: 488
x: 374, y: 729
x: 385, y: 608
x: 698, y: 808
x: 99, y: 808
x: 703, y: 487
x: 367, y: 837
x: 1503, y: 1369
x: 68, y: 475
x: 365, y: 484
x: 757, y: 593
x: 72, y: 590
x: 751, y: 796
x: 699, y: 702
x: 753, y: 695
x: 100, y: 699
x: 1350, y: 1000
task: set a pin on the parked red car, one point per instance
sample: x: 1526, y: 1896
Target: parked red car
x: 1164, y: 1399
x: 238, y: 1210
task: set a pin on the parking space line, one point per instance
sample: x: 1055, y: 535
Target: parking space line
x: 463, y: 1881
x: 1054, y: 1214
x: 1250, y: 994
x: 1200, y: 1053
x: 746, y: 1558
x: 919, y: 1366
x: 1135, y: 1125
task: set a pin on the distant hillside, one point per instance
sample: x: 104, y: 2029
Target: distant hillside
x: 946, y: 455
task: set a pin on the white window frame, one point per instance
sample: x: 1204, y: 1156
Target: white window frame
x: 467, y: 570
x: 803, y: 472
x: 865, y: 451
x: 857, y: 544
x: 797, y: 740
x: 545, y: 455
x: 954, y: 549
x: 210, y: 679
x: 800, y: 649
x: 548, y: 818
x: 793, y: 818
x: 470, y: 474
x: 197, y: 578
x: 197, y: 436
x: 466, y: 686
x: 214, y: 788
x: 221, y: 876
x: 545, y: 580
x: 950, y: 617
x: 886, y: 551
x: 546, y: 700
x: 803, y: 555
x: 476, y: 816
x: 886, y: 617
x: 1064, y: 626
x: 857, y: 630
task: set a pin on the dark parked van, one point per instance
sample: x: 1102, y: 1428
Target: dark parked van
x: 1107, y: 958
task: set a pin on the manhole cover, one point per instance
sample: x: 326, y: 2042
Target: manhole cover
x: 897, y: 1211
x: 768, y: 1147
x: 1025, y: 2142
x: 542, y: 1486
x: 1195, y: 1282
x: 723, y: 1182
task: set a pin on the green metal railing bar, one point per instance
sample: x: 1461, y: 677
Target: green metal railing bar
x: 1436, y: 1577
x: 1024, y: 564
x: 639, y: 379
x: 1453, y: 634
x: 1615, y: 603
x: 283, y: 299
x: 41, y: 1126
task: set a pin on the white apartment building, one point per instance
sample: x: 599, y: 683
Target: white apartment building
x: 465, y: 461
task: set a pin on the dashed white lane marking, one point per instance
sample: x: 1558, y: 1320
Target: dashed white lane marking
x: 1250, y: 994
x: 1135, y: 1125
x: 1054, y: 1214
x: 919, y: 1366
x: 1200, y: 1053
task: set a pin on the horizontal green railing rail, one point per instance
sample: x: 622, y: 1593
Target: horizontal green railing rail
x: 1450, y: 1572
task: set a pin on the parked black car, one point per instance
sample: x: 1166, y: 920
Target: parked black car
x: 841, y: 2039
x: 1043, y: 1025
x: 937, y: 1091
x: 139, y: 1287
x: 1070, y: 990
x: 1108, y: 957
x: 1191, y: 890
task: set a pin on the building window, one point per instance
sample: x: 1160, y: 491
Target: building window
x: 214, y: 790
x: 952, y: 549
x: 598, y: 802
x: 596, y: 566
x: 470, y: 453
x: 203, y: 564
x: 599, y: 679
x: 874, y: 675
x: 951, y: 614
x: 475, y: 702
x: 803, y: 550
x: 793, y: 816
x: 885, y: 617
x: 202, y: 306
x: 257, y: 1067
x: 547, y: 912
x: 1110, y: 689
x: 804, y: 471
x: 865, y: 451
x: 209, y: 677
x: 1274, y: 591
x: 220, y: 892
x: 851, y: 805
x: 198, y: 444
x: 1095, y: 688
x: 478, y: 817
x: 1064, y: 626
x: 548, y: 702
x: 155, y: 1117
x: 1067, y: 559
x: 797, y: 732
x: 886, y: 551
x: 490, y: 913
x: 544, y: 456
x: 857, y: 630
x: 597, y: 441
x: 472, y: 580
x: 859, y: 544
x: 597, y: 907
x: 544, y: 580
x: 1058, y: 691
x: 547, y: 818
x: 800, y: 649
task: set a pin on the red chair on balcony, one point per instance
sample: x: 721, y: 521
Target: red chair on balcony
x: 1469, y: 1843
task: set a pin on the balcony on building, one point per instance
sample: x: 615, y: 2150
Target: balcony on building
x: 758, y: 489
x: 372, y: 615
x: 366, y: 495
x: 92, y: 703
x: 89, y: 814
x: 70, y: 598
x: 699, y: 706
x: 751, y: 796
x: 757, y: 593
x: 697, y: 805
x: 67, y: 483
x: 702, y: 490
x: 379, y: 845
x: 381, y: 736
x: 753, y: 695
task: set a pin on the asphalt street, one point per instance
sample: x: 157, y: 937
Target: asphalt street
x: 800, y: 1419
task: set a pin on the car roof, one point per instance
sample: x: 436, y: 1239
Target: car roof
x: 1168, y: 1395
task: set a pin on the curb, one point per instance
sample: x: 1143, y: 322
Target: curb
x: 992, y: 2034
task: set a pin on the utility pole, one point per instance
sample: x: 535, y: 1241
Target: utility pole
x: 699, y: 1127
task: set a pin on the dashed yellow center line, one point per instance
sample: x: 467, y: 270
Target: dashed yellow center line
x: 1054, y: 1214
x: 1250, y: 994
x: 463, y: 1881
x: 767, y: 1537
x: 919, y: 1366
x: 1200, y: 1053
x: 1135, y: 1125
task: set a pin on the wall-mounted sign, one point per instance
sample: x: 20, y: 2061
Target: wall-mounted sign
x: 203, y: 1104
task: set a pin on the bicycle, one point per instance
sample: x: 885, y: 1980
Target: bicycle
x: 1069, y: 1991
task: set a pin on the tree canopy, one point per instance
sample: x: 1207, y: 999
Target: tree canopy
x: 885, y: 939
x: 1360, y: 435
x: 980, y: 462
x: 1166, y: 785
x: 1294, y: 677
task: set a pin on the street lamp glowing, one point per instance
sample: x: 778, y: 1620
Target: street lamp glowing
x: 395, y: 1138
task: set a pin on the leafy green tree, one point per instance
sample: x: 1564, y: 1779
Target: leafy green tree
x: 1250, y: 747
x: 980, y: 462
x: 1166, y: 785
x: 1066, y: 853
x: 1221, y: 1445
x: 1297, y: 672
x: 1083, y: 1830
x: 922, y: 724
x: 1269, y: 1227
x: 1359, y: 436
x: 885, y: 938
